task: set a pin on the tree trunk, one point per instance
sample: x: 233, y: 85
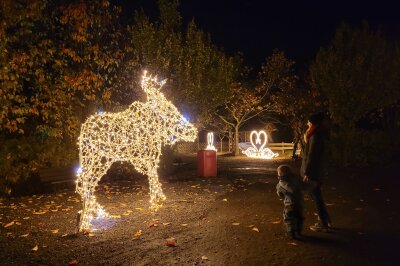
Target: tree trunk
x: 237, y: 152
x: 230, y: 141
x: 295, y: 148
x: 346, y: 148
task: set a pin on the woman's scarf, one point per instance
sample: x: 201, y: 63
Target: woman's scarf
x: 310, y: 131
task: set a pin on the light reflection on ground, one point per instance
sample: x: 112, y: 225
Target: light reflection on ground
x: 252, y: 168
x: 104, y: 223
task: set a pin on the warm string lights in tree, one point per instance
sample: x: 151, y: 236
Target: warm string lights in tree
x: 210, y: 141
x: 261, y: 151
x: 135, y: 135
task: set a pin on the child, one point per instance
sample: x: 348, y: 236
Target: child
x: 289, y: 189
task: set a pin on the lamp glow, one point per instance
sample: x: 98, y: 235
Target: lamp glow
x: 210, y: 141
x: 135, y: 135
x: 261, y: 152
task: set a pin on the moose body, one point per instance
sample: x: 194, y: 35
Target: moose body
x: 135, y: 135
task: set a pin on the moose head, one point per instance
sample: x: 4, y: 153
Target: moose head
x: 175, y: 127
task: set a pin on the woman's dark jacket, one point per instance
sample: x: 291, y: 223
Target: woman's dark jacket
x: 314, y: 156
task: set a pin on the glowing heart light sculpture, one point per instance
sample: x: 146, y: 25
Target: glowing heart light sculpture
x: 261, y: 151
x: 210, y: 141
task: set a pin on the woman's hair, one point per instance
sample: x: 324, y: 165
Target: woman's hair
x: 284, y: 170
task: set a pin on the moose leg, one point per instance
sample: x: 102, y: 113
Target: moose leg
x: 156, y: 193
x: 88, y: 183
x: 87, y: 188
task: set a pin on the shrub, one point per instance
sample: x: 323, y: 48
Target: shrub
x: 363, y: 147
x: 25, y: 156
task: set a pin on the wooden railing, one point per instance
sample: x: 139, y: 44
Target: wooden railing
x: 282, y: 147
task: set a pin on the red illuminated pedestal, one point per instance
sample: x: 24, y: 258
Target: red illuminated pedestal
x: 207, y: 163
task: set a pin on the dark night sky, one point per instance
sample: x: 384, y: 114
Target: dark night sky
x: 256, y: 27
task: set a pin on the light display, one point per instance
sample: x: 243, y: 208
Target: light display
x: 210, y: 141
x: 261, y: 151
x: 134, y: 135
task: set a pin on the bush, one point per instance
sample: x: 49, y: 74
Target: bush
x: 362, y: 147
x: 23, y: 157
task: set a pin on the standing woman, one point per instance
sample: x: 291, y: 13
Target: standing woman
x: 312, y: 167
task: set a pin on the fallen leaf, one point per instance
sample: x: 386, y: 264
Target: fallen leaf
x: 226, y: 200
x: 9, y: 224
x: 39, y: 213
x: 171, y: 242
x: 153, y: 223
x: 64, y: 235
x: 26, y: 218
x: 166, y: 223
x: 139, y: 209
x: 138, y: 233
x: 255, y: 229
x: 24, y: 235
x: 35, y: 248
x: 276, y: 222
x: 73, y: 262
x: 292, y: 243
x: 184, y: 224
x: 17, y: 223
x: 204, y: 258
x: 91, y: 235
x: 235, y: 223
x: 54, y: 231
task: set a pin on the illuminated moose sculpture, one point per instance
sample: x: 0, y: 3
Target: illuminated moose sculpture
x: 135, y: 135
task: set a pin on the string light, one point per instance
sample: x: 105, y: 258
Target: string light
x: 261, y: 152
x: 210, y: 141
x: 134, y: 135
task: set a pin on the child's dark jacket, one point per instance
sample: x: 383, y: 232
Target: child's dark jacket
x: 290, y: 189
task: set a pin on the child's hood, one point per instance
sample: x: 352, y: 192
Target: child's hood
x: 286, y: 185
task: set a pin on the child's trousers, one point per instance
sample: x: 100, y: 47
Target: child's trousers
x: 293, y: 219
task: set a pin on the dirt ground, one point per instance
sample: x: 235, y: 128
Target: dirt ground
x: 232, y: 219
